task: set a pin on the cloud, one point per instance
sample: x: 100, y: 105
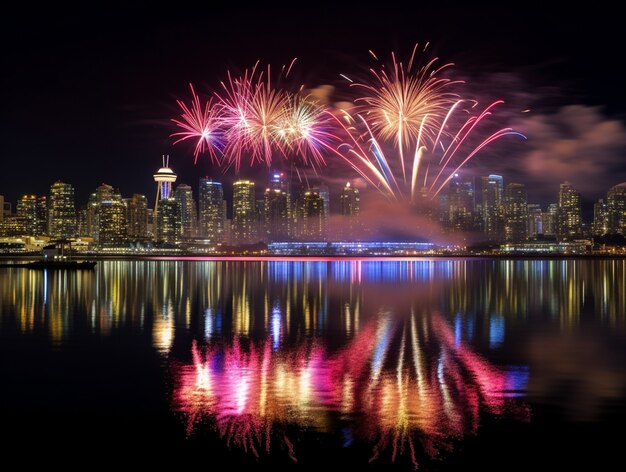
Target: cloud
x: 577, y: 143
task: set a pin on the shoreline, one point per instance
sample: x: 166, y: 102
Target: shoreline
x: 329, y: 258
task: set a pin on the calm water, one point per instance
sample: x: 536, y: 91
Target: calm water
x: 359, y: 364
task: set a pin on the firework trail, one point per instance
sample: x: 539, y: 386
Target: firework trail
x: 399, y: 100
x: 202, y: 124
x: 411, y: 110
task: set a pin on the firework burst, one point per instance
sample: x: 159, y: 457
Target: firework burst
x: 305, y: 130
x: 251, y: 110
x: 408, y: 111
x: 202, y: 124
x: 406, y: 102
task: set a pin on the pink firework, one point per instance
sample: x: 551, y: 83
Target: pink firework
x: 251, y: 110
x: 305, y: 130
x: 202, y: 124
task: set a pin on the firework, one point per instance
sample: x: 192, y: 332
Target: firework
x: 305, y: 130
x: 406, y: 102
x: 251, y: 110
x: 410, y: 111
x: 202, y: 124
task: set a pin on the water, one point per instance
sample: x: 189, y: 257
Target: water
x: 436, y: 364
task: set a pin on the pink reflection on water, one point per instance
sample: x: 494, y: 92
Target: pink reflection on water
x: 412, y: 388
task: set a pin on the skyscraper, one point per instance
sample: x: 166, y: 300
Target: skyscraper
x: 569, y: 219
x: 350, y: 209
x: 550, y: 220
x: 211, y: 210
x: 103, y: 193
x: 137, y: 216
x: 313, y: 216
x: 168, y: 222
x: 244, y: 212
x: 110, y: 221
x: 277, y: 213
x: 325, y: 194
x: 616, y: 207
x: 535, y: 220
x: 492, y: 207
x: 61, y: 211
x: 33, y: 213
x: 515, y: 213
x: 189, y: 215
x: 460, y: 205
x: 600, y: 224
x: 1, y: 208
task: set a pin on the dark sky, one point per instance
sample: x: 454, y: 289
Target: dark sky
x: 87, y: 94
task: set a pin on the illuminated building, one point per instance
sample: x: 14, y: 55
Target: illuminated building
x: 492, y: 207
x: 616, y: 207
x: 33, y: 211
x: 244, y: 212
x: 12, y: 225
x: 103, y: 193
x: 313, y: 216
x: 1, y: 208
x: 184, y: 195
x: 137, y: 217
x: 110, y: 221
x: 515, y: 213
x: 81, y: 215
x: 168, y: 222
x: 550, y: 220
x: 212, y: 212
x: 569, y: 219
x: 350, y: 209
x: 325, y: 194
x: 61, y: 211
x: 600, y: 224
x: 277, y: 212
x: 459, y: 205
x: 535, y: 220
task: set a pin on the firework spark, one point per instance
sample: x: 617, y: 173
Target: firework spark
x: 200, y: 123
x: 399, y: 101
x: 251, y: 110
x: 305, y: 130
x: 411, y: 111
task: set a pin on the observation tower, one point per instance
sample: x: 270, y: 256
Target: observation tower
x: 164, y: 178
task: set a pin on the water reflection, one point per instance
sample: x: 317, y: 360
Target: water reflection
x: 401, y: 355
x: 403, y: 384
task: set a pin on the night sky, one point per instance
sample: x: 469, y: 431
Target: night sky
x: 87, y: 94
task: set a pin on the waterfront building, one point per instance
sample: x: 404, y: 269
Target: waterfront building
x: 569, y: 216
x: 137, y: 216
x: 244, y: 213
x: 61, y: 211
x: 33, y: 212
x: 616, y: 208
x: 313, y: 217
x: 515, y: 213
x: 212, y: 210
x: 184, y: 195
x: 492, y: 207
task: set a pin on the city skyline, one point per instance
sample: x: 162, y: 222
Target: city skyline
x: 491, y: 209
x: 567, y: 103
